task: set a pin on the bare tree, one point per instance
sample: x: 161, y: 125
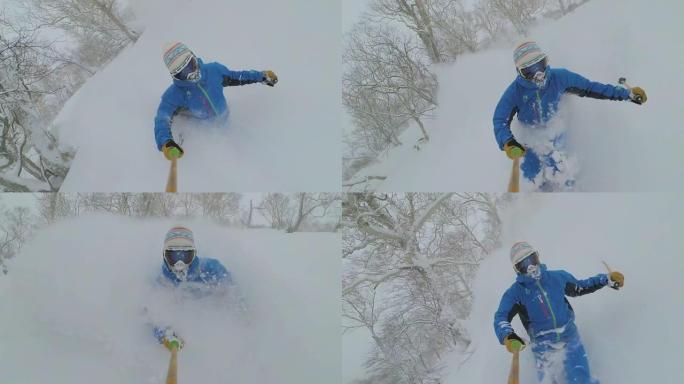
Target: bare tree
x: 99, y: 26
x: 387, y: 85
x: 32, y: 158
x: 520, y: 13
x: 224, y: 207
x: 420, y: 253
x: 16, y: 227
x: 275, y: 208
x: 312, y: 204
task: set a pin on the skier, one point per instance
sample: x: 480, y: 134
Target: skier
x: 197, y: 91
x: 538, y: 297
x: 534, y: 95
x: 184, y: 269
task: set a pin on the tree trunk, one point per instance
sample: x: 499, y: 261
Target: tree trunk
x: 251, y: 210
x: 115, y: 19
x: 300, y: 215
x: 426, y: 33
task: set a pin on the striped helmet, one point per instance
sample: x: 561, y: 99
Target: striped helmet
x: 526, y: 54
x: 179, y: 238
x: 176, y: 56
x: 521, y: 250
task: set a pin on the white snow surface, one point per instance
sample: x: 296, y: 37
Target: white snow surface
x: 285, y: 138
x: 620, y: 146
x: 73, y: 307
x: 631, y: 335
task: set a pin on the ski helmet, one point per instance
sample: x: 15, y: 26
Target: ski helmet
x: 525, y: 259
x: 530, y: 61
x: 179, y: 250
x: 181, y: 62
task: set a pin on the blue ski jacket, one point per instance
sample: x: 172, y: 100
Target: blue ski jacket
x: 202, y: 100
x: 541, y: 304
x: 536, y: 106
x: 206, y: 272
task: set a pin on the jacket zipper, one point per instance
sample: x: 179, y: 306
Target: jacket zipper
x: 208, y: 99
x: 539, y: 105
x: 553, y: 315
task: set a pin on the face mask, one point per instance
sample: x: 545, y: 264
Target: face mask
x: 180, y: 269
x: 534, y: 271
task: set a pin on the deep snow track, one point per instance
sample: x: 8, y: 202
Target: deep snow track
x: 72, y: 307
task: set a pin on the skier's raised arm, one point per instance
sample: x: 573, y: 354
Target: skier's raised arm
x: 575, y: 287
x: 234, y: 78
x: 583, y: 87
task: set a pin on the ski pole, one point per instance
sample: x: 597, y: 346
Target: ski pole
x: 173, y: 177
x: 623, y: 81
x: 514, y: 374
x: 607, y: 266
x: 172, y: 374
x: 514, y: 181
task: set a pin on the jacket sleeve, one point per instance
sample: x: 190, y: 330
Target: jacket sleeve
x: 578, y: 85
x: 233, y: 78
x: 170, y: 105
x: 503, y: 115
x: 216, y: 273
x: 159, y: 332
x: 508, y: 308
x: 574, y: 287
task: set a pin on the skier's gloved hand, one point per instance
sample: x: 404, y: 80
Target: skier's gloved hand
x: 172, y: 150
x: 637, y: 95
x: 616, y: 280
x: 514, y: 149
x: 270, y: 78
x: 171, y: 340
x: 514, y: 343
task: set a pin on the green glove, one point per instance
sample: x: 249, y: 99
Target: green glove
x: 514, y: 343
x: 173, y: 342
x: 514, y: 149
x: 172, y: 150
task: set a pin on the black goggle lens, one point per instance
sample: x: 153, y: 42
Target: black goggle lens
x: 189, y: 68
x: 174, y: 256
x: 532, y: 259
x: 532, y: 70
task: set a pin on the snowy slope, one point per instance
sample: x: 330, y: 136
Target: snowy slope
x: 621, y: 146
x: 72, y: 307
x: 285, y: 138
x: 631, y: 335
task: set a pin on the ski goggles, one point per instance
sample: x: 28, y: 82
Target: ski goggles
x: 172, y: 256
x: 532, y: 259
x: 529, y: 72
x: 189, y: 72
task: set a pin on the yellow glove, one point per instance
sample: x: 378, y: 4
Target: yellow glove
x: 514, y: 343
x: 270, y: 78
x: 637, y: 95
x: 172, y: 150
x: 514, y: 149
x: 617, y: 280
